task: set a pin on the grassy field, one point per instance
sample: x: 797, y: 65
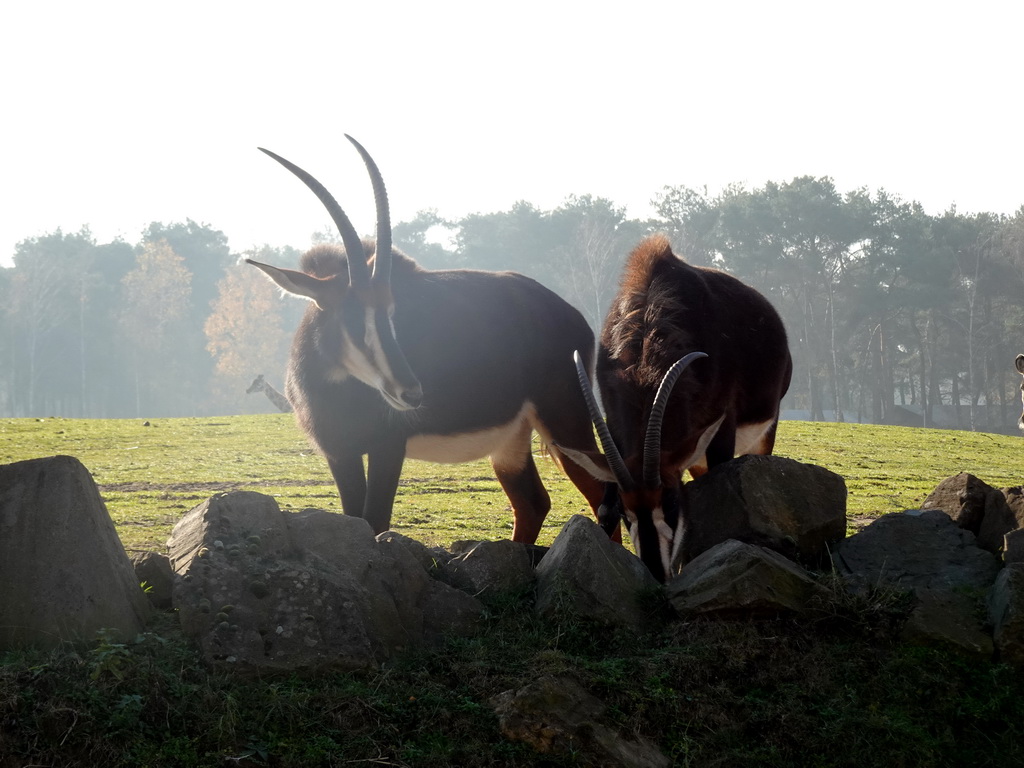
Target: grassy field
x: 150, y: 475
x: 833, y: 688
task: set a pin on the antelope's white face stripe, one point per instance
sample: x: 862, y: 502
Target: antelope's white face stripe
x: 367, y: 361
x: 356, y: 358
x: 677, y: 541
x: 381, y: 365
x: 669, y: 541
x: 665, y: 540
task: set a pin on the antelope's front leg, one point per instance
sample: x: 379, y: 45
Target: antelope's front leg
x: 384, y: 468
x: 350, y: 479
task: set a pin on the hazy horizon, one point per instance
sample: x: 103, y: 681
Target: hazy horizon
x: 122, y: 114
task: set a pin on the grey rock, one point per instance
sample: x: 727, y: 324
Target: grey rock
x: 153, y: 572
x: 1006, y: 614
x: 243, y: 517
x: 432, y: 559
x: 493, y: 567
x: 963, y: 497
x: 998, y: 521
x: 916, y: 549
x: 797, y: 509
x: 951, y: 620
x: 265, y: 589
x: 1013, y: 547
x: 734, y: 578
x: 64, y: 571
x: 976, y: 506
x: 586, y: 574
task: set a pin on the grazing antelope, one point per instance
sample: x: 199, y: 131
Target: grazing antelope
x: 1018, y: 363
x: 392, y: 360
x: 691, y: 367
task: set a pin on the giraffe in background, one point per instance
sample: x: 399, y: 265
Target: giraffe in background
x: 259, y: 384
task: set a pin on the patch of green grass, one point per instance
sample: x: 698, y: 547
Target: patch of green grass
x: 150, y: 476
x: 888, y: 469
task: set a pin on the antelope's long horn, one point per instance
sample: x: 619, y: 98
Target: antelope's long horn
x: 652, y: 440
x: 611, y: 451
x: 358, y: 273
x: 382, y: 263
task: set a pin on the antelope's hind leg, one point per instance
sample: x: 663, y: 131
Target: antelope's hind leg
x: 516, y: 471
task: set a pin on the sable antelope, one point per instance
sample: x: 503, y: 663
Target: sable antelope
x: 392, y: 360
x: 1018, y: 363
x: 691, y: 367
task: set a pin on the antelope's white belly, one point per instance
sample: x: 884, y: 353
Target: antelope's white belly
x: 503, y: 440
x: 749, y: 438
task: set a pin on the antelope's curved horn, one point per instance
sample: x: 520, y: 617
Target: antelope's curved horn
x: 358, y: 273
x: 652, y: 440
x: 611, y: 451
x: 382, y: 262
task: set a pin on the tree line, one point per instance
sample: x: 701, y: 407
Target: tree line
x: 894, y: 315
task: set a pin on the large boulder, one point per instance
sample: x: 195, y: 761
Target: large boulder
x: 948, y: 619
x: 587, y: 575
x: 964, y: 498
x: 266, y: 589
x: 432, y: 559
x: 925, y: 553
x: 916, y: 549
x: 1013, y: 547
x: 1006, y: 614
x: 1013, y: 519
x: 796, y: 509
x: 734, y: 578
x: 154, y: 574
x: 63, y: 570
x: 974, y: 505
x: 491, y: 568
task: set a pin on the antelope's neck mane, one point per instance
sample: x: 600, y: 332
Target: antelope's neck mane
x: 329, y: 259
x: 646, y: 338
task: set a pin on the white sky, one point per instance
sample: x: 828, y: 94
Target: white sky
x: 119, y: 114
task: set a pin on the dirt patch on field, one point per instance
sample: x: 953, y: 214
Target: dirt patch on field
x: 210, y: 487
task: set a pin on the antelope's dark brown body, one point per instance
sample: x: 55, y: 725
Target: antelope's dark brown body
x: 722, y: 405
x: 392, y: 360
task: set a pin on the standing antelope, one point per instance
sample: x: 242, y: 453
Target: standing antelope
x: 1018, y: 363
x: 392, y: 360
x: 691, y: 367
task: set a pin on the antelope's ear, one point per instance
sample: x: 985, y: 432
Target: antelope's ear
x: 1019, y: 364
x: 592, y: 461
x: 319, y: 290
